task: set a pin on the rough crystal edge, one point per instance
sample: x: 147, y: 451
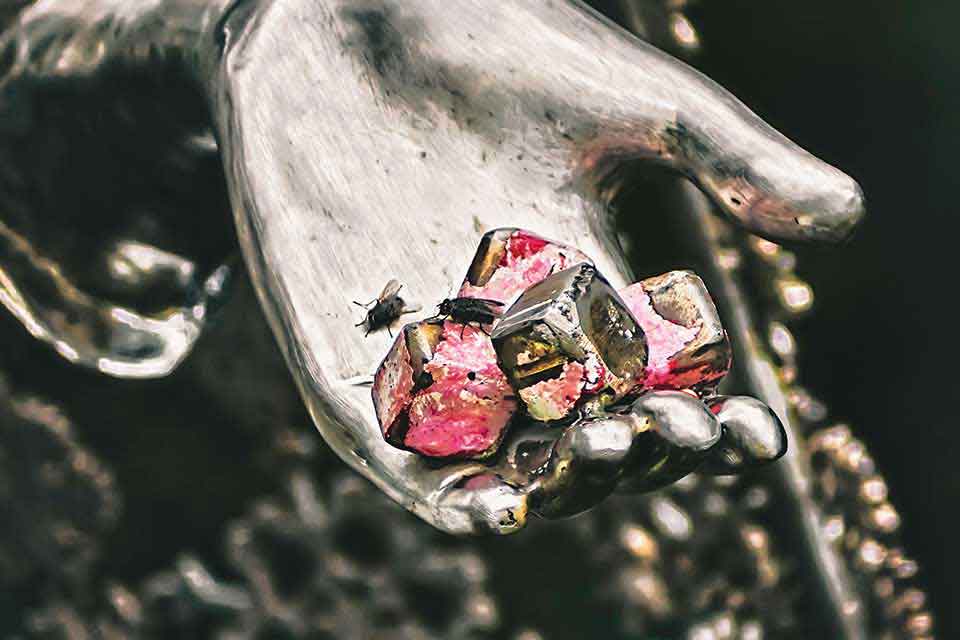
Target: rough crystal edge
x: 565, y: 315
x: 396, y: 376
x: 491, y: 252
x: 395, y: 389
x: 681, y: 297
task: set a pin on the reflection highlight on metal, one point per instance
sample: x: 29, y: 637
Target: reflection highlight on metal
x: 663, y: 23
x: 90, y: 331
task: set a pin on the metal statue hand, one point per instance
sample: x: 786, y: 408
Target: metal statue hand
x: 370, y: 140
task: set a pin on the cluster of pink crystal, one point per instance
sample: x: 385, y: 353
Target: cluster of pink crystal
x: 554, y: 399
x: 466, y: 409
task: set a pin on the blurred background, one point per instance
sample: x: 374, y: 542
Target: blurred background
x: 872, y: 87
x: 868, y: 86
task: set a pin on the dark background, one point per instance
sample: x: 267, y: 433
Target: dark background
x: 872, y: 87
x: 867, y: 86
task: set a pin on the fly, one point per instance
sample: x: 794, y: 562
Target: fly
x: 467, y: 311
x: 384, y: 309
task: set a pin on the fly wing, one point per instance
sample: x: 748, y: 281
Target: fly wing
x: 488, y: 301
x: 390, y: 289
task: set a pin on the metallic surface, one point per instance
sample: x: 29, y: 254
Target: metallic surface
x: 752, y: 435
x: 678, y: 432
x: 133, y: 305
x: 366, y: 140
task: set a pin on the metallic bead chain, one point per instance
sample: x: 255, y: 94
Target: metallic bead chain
x: 861, y: 520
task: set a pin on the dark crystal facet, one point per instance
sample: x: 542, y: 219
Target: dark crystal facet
x: 566, y: 337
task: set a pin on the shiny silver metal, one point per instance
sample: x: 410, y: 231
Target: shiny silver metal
x: 753, y: 435
x: 364, y: 140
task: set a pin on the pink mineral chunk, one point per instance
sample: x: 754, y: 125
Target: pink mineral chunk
x: 526, y: 260
x: 664, y: 338
x: 553, y: 399
x: 463, y: 412
x: 678, y: 356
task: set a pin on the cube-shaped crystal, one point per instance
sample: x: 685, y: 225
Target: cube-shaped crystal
x: 439, y: 392
x: 687, y: 346
x: 566, y: 338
